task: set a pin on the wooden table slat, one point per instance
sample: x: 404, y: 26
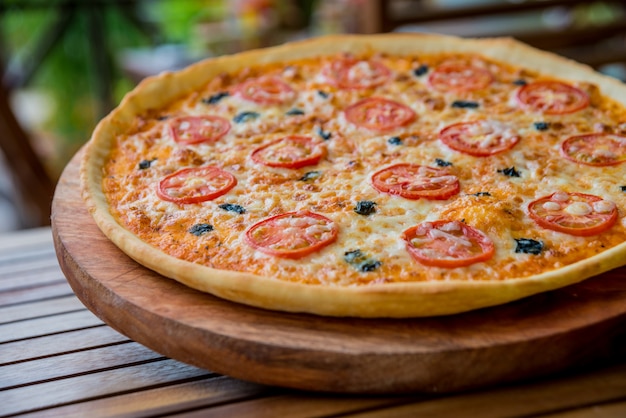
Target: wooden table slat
x: 609, y: 410
x: 38, y: 309
x: 47, y: 291
x: 25, y: 255
x: 31, y: 278
x: 293, y: 406
x: 81, y: 362
x: 542, y: 397
x: 22, y: 260
x: 55, y: 344
x: 16, y: 331
x: 26, y: 239
x: 159, y: 401
x: 95, y: 385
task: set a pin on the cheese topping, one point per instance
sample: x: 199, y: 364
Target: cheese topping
x: 603, y: 206
x: 551, y: 206
x: 438, y: 233
x: 578, y: 209
x: 488, y: 201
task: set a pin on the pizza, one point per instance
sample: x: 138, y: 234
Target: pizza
x: 396, y: 175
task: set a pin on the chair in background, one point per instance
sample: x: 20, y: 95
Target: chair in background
x: 34, y: 186
x: 597, y: 41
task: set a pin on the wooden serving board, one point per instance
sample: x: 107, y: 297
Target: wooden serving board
x: 535, y: 336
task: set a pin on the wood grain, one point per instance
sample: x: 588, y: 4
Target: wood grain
x: 292, y: 406
x: 106, y: 383
x: 528, y: 400
x: 60, y: 287
x: 39, y: 308
x: 63, y: 365
x: 531, y: 337
x: 15, y: 331
x: 63, y: 342
x: 159, y: 401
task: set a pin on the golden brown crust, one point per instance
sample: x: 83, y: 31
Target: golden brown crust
x: 376, y: 300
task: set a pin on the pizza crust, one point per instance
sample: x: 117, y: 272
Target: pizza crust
x: 374, y: 300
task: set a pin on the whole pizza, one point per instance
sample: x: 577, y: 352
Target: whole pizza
x: 373, y: 176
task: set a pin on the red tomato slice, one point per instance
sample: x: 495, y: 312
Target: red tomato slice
x: 290, y: 152
x: 595, y: 149
x: 573, y: 213
x: 552, y: 97
x: 413, y: 181
x: 481, y: 138
x: 459, y: 77
x: 350, y: 73
x: 189, y: 130
x: 379, y: 114
x: 266, y: 90
x: 292, y: 234
x: 195, y: 185
x: 447, y: 244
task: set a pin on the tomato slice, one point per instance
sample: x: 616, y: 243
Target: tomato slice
x: 413, y: 181
x: 379, y: 114
x: 595, y: 149
x: 292, y: 234
x: 350, y: 73
x: 459, y: 77
x: 195, y: 185
x: 480, y: 138
x: 552, y: 97
x: 266, y: 90
x: 573, y: 213
x: 447, y: 244
x: 189, y: 130
x: 290, y: 152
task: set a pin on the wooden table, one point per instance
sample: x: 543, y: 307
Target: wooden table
x: 59, y: 359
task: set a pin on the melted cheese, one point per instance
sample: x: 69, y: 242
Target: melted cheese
x: 345, y: 178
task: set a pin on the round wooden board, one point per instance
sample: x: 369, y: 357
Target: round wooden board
x: 531, y: 337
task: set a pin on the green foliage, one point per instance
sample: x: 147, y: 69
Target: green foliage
x: 68, y: 73
x: 177, y: 17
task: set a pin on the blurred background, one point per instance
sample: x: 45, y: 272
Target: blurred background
x: 64, y: 64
